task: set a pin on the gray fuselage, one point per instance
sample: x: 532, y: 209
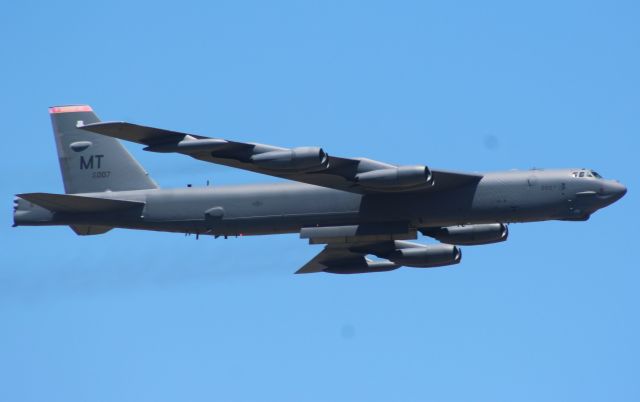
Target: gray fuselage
x: 513, y: 196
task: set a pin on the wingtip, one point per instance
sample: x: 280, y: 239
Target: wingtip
x: 310, y: 269
x: 26, y: 195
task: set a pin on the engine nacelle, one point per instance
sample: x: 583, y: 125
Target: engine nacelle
x: 295, y: 159
x: 469, y: 234
x: 428, y: 256
x: 396, y: 178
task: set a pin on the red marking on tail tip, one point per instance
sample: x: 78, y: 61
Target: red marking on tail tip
x: 69, y: 109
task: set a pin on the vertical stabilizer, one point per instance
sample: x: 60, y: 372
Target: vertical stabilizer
x: 92, y: 162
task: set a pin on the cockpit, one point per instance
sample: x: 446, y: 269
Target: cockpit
x: 586, y: 173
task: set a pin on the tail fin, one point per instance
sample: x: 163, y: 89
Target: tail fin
x: 92, y: 162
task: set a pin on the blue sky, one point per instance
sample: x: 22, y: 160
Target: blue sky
x: 135, y: 316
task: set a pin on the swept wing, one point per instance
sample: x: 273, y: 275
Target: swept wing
x: 310, y: 165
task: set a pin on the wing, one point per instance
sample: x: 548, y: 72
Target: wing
x: 347, y: 246
x: 339, y: 259
x: 303, y: 164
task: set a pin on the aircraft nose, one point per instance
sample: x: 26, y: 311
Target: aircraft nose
x: 615, y: 189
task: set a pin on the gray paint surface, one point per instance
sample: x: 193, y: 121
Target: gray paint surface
x: 110, y: 189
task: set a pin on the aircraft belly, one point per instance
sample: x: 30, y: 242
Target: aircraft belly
x: 250, y: 212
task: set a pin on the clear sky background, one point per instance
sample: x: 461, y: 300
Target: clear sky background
x: 550, y: 315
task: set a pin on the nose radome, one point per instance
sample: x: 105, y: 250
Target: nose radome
x: 616, y: 189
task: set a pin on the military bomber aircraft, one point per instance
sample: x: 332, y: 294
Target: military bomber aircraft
x: 357, y: 207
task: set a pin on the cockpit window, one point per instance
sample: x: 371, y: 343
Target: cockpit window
x: 586, y: 173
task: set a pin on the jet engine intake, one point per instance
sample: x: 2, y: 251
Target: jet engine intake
x: 295, y: 159
x: 469, y: 234
x: 400, y: 177
x: 428, y: 256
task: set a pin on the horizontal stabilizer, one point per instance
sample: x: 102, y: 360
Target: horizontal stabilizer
x: 77, y: 203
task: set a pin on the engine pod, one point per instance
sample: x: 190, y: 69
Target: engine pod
x: 396, y: 178
x: 296, y: 159
x: 428, y: 256
x: 470, y: 235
